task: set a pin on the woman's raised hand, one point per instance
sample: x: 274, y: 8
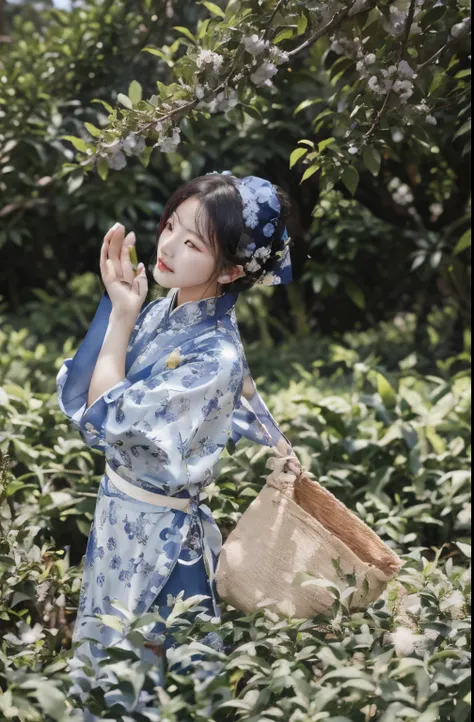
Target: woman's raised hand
x: 127, y: 289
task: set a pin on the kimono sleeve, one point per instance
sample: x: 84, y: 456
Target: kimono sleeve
x: 74, y: 376
x: 175, y: 423
x: 252, y: 419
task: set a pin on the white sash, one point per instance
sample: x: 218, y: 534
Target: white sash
x: 140, y: 494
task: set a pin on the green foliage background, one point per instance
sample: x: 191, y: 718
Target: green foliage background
x: 365, y: 359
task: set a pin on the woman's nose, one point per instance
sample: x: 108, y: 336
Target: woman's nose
x: 166, y: 245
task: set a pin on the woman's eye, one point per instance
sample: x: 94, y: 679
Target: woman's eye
x: 168, y: 224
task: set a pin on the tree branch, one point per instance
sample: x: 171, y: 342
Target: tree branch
x: 450, y: 42
x: 403, y: 47
x: 275, y: 11
x: 336, y: 20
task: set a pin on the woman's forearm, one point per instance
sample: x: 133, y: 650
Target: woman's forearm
x: 110, y: 366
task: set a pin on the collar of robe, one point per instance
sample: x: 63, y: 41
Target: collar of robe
x: 191, y: 312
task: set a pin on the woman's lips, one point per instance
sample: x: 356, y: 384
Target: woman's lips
x: 163, y: 267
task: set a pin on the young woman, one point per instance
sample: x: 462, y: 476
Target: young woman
x: 160, y: 390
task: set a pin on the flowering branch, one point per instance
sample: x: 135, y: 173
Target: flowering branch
x: 336, y: 20
x: 403, y: 47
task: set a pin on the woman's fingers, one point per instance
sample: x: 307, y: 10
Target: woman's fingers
x: 115, y: 248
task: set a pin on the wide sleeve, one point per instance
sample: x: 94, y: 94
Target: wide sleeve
x: 74, y: 376
x: 251, y: 417
x: 175, y: 423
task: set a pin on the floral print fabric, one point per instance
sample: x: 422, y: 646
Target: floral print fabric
x: 162, y: 428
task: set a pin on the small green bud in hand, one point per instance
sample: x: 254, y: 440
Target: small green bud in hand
x: 133, y: 257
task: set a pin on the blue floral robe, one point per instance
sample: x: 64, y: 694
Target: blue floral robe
x: 162, y: 428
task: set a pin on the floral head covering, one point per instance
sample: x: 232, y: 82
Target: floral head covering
x: 265, y: 258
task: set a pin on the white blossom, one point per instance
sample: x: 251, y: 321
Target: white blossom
x: 431, y: 120
x: 134, y: 144
x: 170, y: 143
x: 353, y: 149
x: 252, y: 266
x: 263, y: 253
x: 397, y: 135
x: 404, y: 88
x: 436, y: 210
x: 279, y: 56
x: 398, y: 18
x: 255, y: 45
x: 263, y: 74
x: 208, y: 57
x: 375, y: 86
x: 405, y: 69
x: 343, y: 45
x: 269, y: 279
x: 403, y: 195
x: 117, y: 161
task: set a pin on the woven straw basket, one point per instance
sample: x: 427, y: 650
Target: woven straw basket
x: 296, y: 526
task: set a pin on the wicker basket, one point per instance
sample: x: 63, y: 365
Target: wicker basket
x: 293, y: 527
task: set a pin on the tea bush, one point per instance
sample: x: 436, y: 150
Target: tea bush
x: 382, y: 424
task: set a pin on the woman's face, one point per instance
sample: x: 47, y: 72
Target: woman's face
x: 189, y: 257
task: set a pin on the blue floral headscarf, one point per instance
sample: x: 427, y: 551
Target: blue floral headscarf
x: 266, y: 260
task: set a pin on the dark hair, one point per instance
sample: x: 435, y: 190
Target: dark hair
x: 219, y: 217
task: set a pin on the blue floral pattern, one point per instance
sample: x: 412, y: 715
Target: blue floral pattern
x: 162, y: 428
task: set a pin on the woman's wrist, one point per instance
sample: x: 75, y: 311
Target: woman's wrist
x: 122, y: 318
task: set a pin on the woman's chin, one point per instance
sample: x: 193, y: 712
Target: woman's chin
x: 163, y: 279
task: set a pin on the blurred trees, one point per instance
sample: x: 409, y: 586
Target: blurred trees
x: 359, y: 109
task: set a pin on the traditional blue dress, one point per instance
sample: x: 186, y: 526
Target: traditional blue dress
x: 162, y: 428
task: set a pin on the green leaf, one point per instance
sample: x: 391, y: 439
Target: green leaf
x: 372, y: 159
x: 78, y: 143
x: 302, y: 24
x: 355, y: 293
x: 306, y: 104
x: 309, y: 172
x: 285, y: 34
x: 125, y: 100
x: 107, y: 106
x: 307, y: 142
x: 463, y: 243
x: 252, y: 111
x: 103, y: 168
x: 95, y: 132
x: 296, y: 155
x: 465, y: 128
x: 185, y: 32
x: 145, y: 156
x: 386, y: 391
x: 74, y: 182
x: 213, y: 8
x: 350, y: 178
x: 110, y: 621
x: 154, y: 51
x: 135, y: 92
x: 324, y: 143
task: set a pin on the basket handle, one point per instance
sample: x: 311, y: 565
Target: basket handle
x: 286, y: 470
